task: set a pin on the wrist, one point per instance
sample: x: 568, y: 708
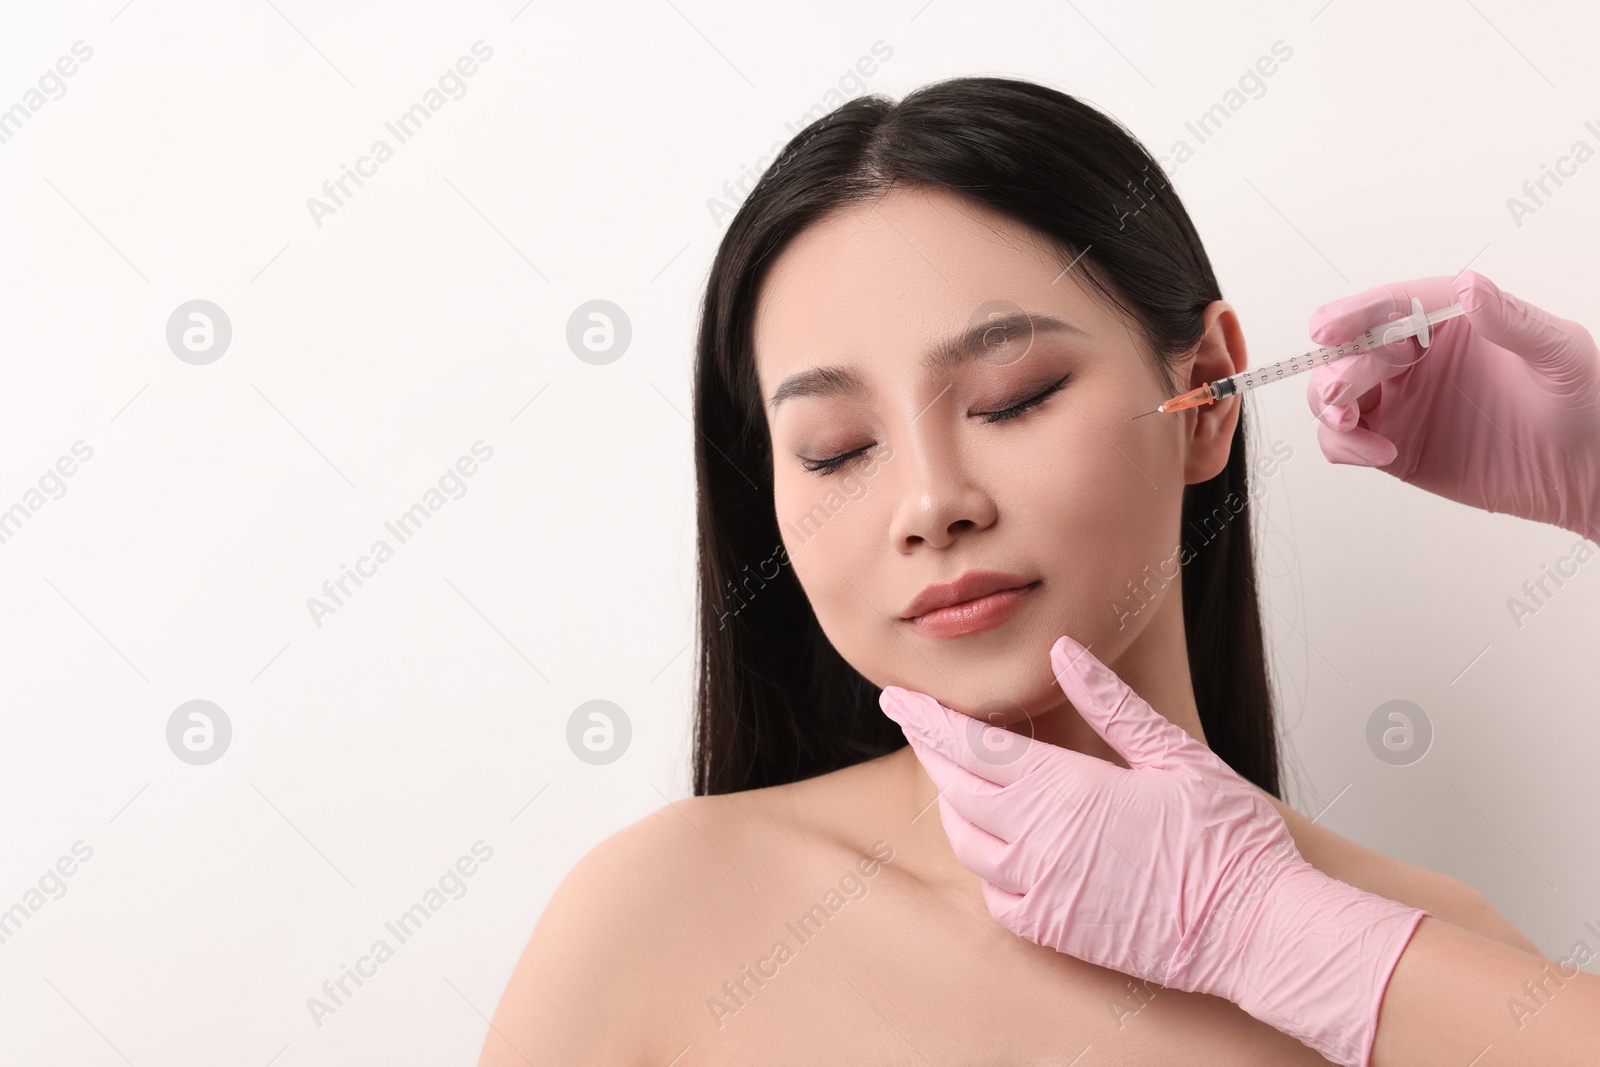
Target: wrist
x: 1587, y: 523
x: 1315, y: 959
x: 1579, y: 470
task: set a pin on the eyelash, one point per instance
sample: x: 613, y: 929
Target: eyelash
x: 825, y: 467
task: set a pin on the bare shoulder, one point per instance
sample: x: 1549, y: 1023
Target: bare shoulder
x: 631, y: 914
x: 1444, y: 897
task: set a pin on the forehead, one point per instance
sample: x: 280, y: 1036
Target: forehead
x: 915, y: 265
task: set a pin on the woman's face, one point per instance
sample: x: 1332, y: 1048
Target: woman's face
x: 1010, y: 455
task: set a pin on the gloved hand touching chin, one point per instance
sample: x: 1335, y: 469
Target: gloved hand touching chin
x: 1174, y: 869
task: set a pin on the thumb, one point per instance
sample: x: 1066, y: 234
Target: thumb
x: 1558, y: 349
x: 1139, y: 734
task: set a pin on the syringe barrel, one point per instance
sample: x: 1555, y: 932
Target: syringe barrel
x: 1379, y: 336
x: 1371, y: 340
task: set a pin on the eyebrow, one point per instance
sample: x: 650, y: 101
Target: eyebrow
x: 945, y: 356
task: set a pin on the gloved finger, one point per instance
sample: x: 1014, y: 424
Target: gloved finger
x: 1351, y: 316
x: 997, y: 809
x: 1139, y: 734
x: 979, y: 851
x: 1004, y: 811
x: 1356, y: 445
x: 975, y: 798
x: 961, y: 738
x: 1337, y: 415
x: 1363, y: 316
x: 1001, y: 902
x: 1560, y: 350
x: 1345, y: 381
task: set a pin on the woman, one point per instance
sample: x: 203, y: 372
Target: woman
x: 921, y: 339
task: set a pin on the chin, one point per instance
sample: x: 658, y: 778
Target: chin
x: 1011, y: 711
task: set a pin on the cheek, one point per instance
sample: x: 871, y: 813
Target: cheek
x: 833, y: 530
x: 827, y: 528
x: 1094, y: 519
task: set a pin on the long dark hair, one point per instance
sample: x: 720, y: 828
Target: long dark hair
x: 775, y: 702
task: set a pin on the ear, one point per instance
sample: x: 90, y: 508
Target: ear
x: 1209, y: 428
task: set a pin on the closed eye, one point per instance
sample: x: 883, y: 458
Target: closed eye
x: 1017, y: 409
x: 825, y: 467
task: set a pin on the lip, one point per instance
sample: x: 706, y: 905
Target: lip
x: 976, y: 601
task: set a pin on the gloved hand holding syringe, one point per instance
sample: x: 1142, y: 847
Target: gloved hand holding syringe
x: 1418, y: 324
x: 1503, y: 414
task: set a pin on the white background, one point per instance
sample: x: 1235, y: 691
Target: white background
x: 430, y: 311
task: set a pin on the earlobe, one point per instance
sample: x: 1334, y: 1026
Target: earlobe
x: 1221, y: 352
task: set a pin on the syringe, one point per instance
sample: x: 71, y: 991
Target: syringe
x: 1416, y: 325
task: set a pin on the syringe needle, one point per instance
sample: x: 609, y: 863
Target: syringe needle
x: 1152, y: 412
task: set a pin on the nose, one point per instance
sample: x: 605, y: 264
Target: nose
x: 936, y: 493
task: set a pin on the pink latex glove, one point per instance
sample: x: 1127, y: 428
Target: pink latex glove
x: 1175, y: 869
x: 1502, y: 412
